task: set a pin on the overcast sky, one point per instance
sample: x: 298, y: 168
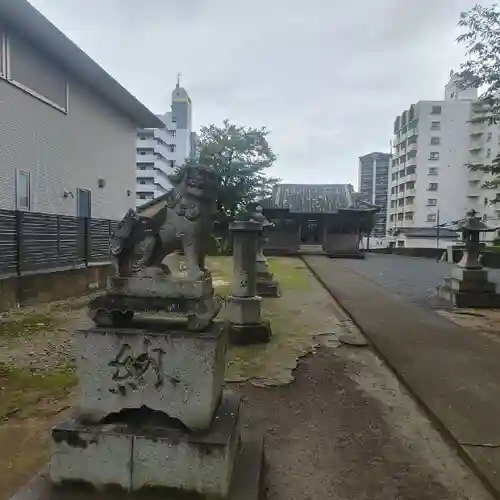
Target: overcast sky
x: 326, y: 77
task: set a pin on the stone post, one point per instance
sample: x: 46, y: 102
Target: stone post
x: 267, y: 286
x: 244, y: 306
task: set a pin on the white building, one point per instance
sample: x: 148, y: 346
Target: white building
x: 484, y: 146
x: 67, y: 128
x: 429, y: 165
x: 161, y: 150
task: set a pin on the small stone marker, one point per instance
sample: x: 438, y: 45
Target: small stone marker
x: 267, y: 286
x: 243, y: 305
x: 468, y: 285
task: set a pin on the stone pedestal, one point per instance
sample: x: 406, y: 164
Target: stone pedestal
x: 469, y: 288
x: 176, y: 372
x: 152, y: 415
x: 148, y: 454
x: 243, y: 305
x: 267, y: 286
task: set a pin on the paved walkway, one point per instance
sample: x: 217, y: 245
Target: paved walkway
x: 413, y: 278
x: 452, y: 371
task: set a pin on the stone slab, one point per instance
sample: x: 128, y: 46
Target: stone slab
x: 462, y: 274
x: 268, y: 288
x: 244, y: 310
x: 170, y: 286
x: 248, y: 482
x: 469, y: 286
x: 173, y: 371
x: 250, y: 334
x: 151, y: 456
x: 470, y: 299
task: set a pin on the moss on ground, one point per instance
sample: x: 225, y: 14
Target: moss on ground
x: 28, y: 325
x: 21, y: 389
x: 296, y: 318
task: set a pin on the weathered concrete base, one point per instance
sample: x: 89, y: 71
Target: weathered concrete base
x: 147, y: 453
x: 469, y: 288
x: 250, y: 334
x: 469, y: 299
x: 268, y: 288
x: 177, y: 372
x: 244, y: 310
x: 248, y: 481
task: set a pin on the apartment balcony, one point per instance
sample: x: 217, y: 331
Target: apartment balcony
x: 410, y: 192
x: 411, y: 177
x: 475, y: 147
x: 147, y: 158
x: 146, y: 144
x: 412, y: 146
x: 411, y: 162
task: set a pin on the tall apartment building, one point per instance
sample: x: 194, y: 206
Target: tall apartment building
x: 429, y: 164
x: 484, y: 146
x: 161, y: 150
x: 373, y: 175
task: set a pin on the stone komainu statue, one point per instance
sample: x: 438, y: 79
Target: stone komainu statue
x: 139, y: 244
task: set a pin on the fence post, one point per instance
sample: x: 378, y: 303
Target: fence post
x: 19, y: 241
x: 58, y: 227
x: 87, y: 241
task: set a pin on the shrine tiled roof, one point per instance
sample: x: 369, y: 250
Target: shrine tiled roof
x: 316, y: 198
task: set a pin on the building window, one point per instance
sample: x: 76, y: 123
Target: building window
x: 432, y: 186
x: 433, y: 155
x: 432, y: 202
x: 431, y: 217
x: 172, y: 148
x: 488, y: 153
x: 435, y: 141
x: 488, y: 136
x: 436, y: 110
x: 401, y: 243
x: 435, y: 125
x: 411, y: 170
x: 34, y: 73
x: 433, y: 171
x: 409, y: 216
x: 172, y: 163
x: 23, y: 190
x: 3, y: 63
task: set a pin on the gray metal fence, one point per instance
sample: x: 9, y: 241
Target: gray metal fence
x: 31, y: 241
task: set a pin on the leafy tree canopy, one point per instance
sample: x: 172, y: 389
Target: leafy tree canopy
x: 481, y: 38
x: 241, y: 156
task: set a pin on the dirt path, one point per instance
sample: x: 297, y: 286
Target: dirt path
x: 345, y: 429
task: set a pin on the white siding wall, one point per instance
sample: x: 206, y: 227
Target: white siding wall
x: 66, y: 151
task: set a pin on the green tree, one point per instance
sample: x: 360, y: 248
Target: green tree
x: 481, y: 38
x: 241, y: 156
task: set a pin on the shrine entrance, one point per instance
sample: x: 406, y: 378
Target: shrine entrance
x: 311, y: 232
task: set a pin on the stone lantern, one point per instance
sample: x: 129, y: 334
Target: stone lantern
x: 267, y: 286
x: 468, y: 285
x: 246, y: 325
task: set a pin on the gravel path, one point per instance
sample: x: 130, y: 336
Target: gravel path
x: 413, y: 278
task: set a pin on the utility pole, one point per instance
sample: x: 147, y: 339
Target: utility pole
x: 437, y: 237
